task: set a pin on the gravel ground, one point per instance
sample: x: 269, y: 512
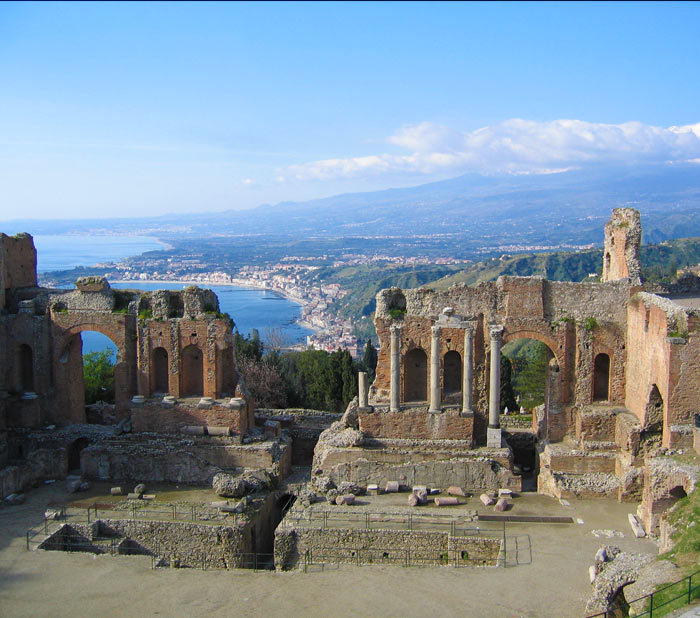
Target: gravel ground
x: 550, y: 578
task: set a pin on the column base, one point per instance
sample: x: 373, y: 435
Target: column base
x: 467, y: 413
x: 493, y: 437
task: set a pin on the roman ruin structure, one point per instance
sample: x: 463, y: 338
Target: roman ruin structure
x: 623, y: 366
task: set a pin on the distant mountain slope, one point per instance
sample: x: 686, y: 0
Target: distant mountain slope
x: 466, y: 213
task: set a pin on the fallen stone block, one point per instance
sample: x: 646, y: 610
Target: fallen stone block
x: 218, y: 504
x: 134, y: 496
x: 272, y: 429
x: 601, y: 555
x: 193, y: 430
x: 52, y: 514
x: 373, y: 489
x: 140, y: 488
x: 422, y: 496
x: 84, y: 486
x: 391, y: 487
x: 453, y: 490
x: 413, y: 500
x: 636, y: 526
x: 148, y: 496
x: 433, y: 491
x: 117, y: 491
x: 486, y: 500
x: 592, y: 572
x: 218, y: 431
x: 345, y: 499
x: 73, y: 484
x: 446, y: 501
x: 501, y: 505
x: 15, y: 498
x: 505, y: 493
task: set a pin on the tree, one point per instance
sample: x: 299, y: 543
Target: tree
x: 507, y: 394
x: 264, y: 382
x: 369, y: 361
x: 248, y: 347
x: 98, y: 376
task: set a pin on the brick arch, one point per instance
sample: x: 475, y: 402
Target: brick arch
x: 67, y: 365
x: 512, y: 335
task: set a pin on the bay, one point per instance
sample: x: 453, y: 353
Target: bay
x: 250, y: 309
x: 63, y: 252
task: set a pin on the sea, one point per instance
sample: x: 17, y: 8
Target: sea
x: 266, y: 311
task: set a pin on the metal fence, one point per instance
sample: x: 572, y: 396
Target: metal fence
x: 662, y: 601
x: 89, y: 512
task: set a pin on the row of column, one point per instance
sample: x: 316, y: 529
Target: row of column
x: 495, y: 333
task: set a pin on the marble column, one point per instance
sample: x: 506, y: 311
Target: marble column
x: 435, y: 370
x: 395, y: 387
x: 493, y: 438
x: 468, y: 369
x: 362, y: 388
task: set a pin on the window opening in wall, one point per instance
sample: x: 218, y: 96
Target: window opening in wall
x: 601, y: 378
x: 452, y: 377
x: 415, y: 375
x: 159, y: 370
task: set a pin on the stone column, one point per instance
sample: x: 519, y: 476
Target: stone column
x: 493, y: 437
x: 395, y: 387
x: 435, y: 370
x: 468, y: 369
x: 362, y: 387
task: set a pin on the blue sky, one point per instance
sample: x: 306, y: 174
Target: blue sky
x: 132, y: 109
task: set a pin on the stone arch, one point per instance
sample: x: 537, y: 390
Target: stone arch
x: 452, y: 373
x: 601, y: 377
x: 654, y: 413
x: 159, y: 371
x: 68, y: 361
x: 415, y: 375
x: 191, y: 371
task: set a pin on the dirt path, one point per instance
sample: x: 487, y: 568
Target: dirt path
x: 551, y: 579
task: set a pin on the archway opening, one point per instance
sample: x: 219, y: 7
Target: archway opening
x: 677, y: 492
x: 416, y: 375
x: 25, y: 365
x: 192, y: 373
x: 74, y: 450
x: 452, y: 376
x: 159, y: 371
x: 99, y: 358
x: 601, y: 378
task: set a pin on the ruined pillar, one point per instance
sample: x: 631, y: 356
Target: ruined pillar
x: 468, y: 370
x: 493, y: 437
x: 435, y: 370
x: 362, y: 389
x: 395, y: 386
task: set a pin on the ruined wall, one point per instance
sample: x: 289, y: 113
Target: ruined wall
x: 417, y: 423
x: 382, y: 547
x: 623, y: 236
x: 434, y: 463
x: 17, y: 264
x: 155, y: 417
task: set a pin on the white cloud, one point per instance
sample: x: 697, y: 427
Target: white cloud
x: 513, y: 146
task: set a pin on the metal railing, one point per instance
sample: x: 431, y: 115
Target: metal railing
x: 662, y: 601
x: 192, y: 513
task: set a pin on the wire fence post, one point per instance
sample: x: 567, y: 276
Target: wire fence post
x: 690, y: 586
x: 27, y: 540
x: 651, y: 605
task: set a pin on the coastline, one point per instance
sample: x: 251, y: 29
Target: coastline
x: 251, y: 286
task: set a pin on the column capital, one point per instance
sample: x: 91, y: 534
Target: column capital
x: 469, y: 326
x: 495, y: 331
x: 395, y: 329
x: 435, y: 329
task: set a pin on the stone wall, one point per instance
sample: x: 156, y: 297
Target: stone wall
x: 417, y: 423
x: 398, y: 547
x: 426, y: 463
x: 153, y: 416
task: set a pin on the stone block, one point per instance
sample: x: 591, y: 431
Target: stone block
x: 134, y: 496
x: 391, y: 487
x: 505, y: 493
x: 218, y: 431
x: 453, y: 490
x: 636, y: 526
x: 493, y: 437
x: 413, y: 500
x: 486, y: 500
x: 373, y: 489
x: 446, y: 501
x: 117, y: 491
x: 193, y: 430
x: 501, y: 505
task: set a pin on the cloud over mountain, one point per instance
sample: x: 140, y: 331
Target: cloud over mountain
x: 513, y: 146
